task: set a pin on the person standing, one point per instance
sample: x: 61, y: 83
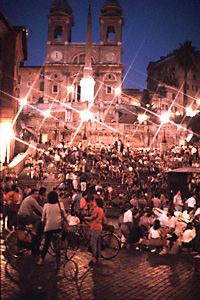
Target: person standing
x: 178, y: 202
x: 52, y: 220
x: 12, y: 198
x: 96, y: 226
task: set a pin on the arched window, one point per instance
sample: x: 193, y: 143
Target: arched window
x: 58, y: 33
x: 110, y: 77
x: 110, y: 34
x: 80, y: 59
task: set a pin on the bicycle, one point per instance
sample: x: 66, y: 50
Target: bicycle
x: 110, y: 244
x: 19, y: 241
x: 55, y: 247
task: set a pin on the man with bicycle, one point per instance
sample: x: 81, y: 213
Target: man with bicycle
x: 30, y: 213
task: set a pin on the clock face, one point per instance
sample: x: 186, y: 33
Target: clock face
x: 56, y: 55
x: 110, y: 56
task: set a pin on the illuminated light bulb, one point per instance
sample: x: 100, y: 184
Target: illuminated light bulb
x: 198, y: 101
x: 118, y: 91
x: 46, y: 113
x: 86, y: 115
x: 189, y: 112
x: 164, y: 117
x: 142, y: 118
x: 23, y: 101
x: 70, y: 89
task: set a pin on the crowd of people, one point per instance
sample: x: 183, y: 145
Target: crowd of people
x: 91, y: 179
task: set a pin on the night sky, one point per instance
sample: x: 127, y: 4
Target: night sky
x: 153, y: 28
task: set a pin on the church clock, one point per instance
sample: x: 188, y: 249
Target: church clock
x: 56, y: 55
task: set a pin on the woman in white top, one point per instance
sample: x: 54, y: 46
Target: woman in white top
x: 155, y: 235
x: 52, y: 220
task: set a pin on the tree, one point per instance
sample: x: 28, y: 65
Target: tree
x: 186, y: 57
x: 194, y: 124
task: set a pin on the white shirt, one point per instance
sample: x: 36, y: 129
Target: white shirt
x: 188, y: 235
x: 128, y: 216
x: 191, y: 202
x: 154, y: 234
x: 51, y: 216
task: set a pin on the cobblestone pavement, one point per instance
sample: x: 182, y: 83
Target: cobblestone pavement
x: 132, y: 275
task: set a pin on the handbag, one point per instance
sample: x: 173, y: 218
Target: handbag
x: 65, y: 224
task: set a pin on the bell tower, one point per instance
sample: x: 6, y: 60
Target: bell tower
x: 111, y: 22
x: 60, y: 22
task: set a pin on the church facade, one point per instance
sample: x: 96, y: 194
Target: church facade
x: 78, y: 77
x: 56, y: 86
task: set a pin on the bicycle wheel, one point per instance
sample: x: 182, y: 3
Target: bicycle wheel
x: 12, y: 272
x: 110, y: 245
x: 12, y: 243
x: 71, y: 244
x: 57, y: 248
x: 70, y: 269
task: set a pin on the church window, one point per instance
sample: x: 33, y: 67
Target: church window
x: 41, y: 86
x: 108, y: 90
x: 41, y: 100
x: 80, y: 59
x: 78, y: 92
x: 110, y: 77
x: 55, y: 89
x: 42, y: 75
x: 111, y: 34
x: 58, y: 33
x: 29, y: 83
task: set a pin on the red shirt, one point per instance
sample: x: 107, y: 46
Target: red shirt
x: 97, y: 219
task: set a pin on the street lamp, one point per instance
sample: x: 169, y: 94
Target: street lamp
x: 86, y: 115
x: 46, y: 113
x: 142, y: 118
x: 23, y: 102
x: 190, y: 112
x: 164, y: 118
x: 6, y: 135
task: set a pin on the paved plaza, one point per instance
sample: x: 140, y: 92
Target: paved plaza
x: 131, y: 275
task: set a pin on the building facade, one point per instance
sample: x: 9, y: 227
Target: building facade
x: 13, y: 50
x: 165, y: 78
x: 73, y: 73
x: 58, y: 82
